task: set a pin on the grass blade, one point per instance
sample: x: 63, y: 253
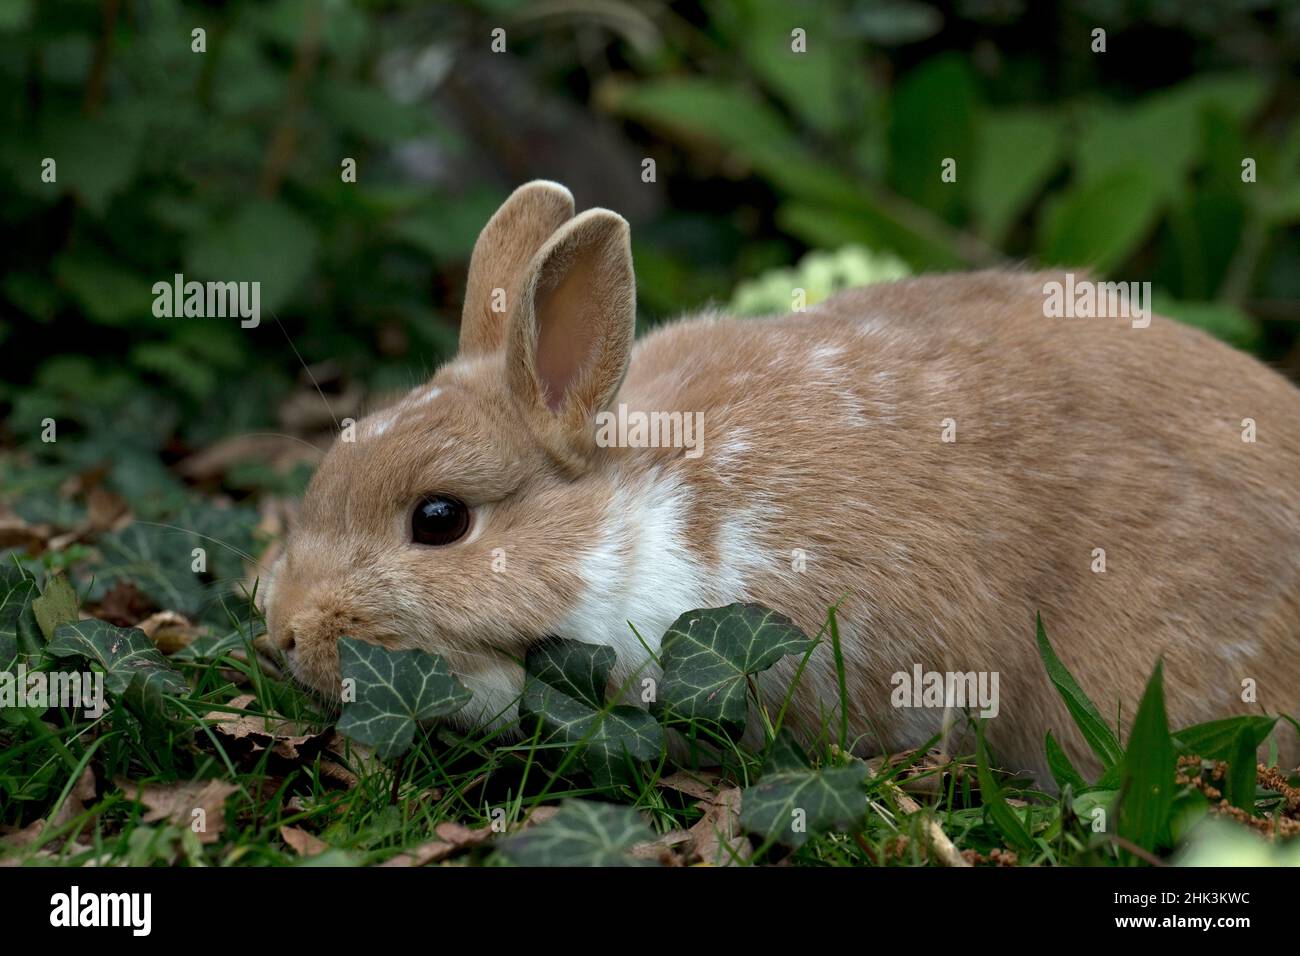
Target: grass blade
x: 1149, y: 766
x: 1085, y: 714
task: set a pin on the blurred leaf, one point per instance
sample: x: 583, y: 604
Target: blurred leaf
x: 1100, y: 225
x: 395, y: 690
x: 107, y: 293
x: 96, y: 157
x: 583, y: 833
x: 933, y: 119
x: 265, y: 242
x: 1240, y: 781
x: 1220, y: 319
x: 1216, y: 739
x: 1149, y: 766
x: 820, y: 83
x: 56, y: 605
x: 896, y: 22
x: 1016, y: 153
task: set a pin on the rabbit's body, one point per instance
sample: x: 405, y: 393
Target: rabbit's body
x: 823, y: 477
x: 823, y: 438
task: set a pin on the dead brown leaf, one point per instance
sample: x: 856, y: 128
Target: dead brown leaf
x: 717, y: 836
x: 197, y: 804
x: 250, y: 734
x: 169, y: 630
x: 302, y: 842
x: 17, y: 533
x: 124, y: 604
x: 422, y: 855
x: 666, y: 850
x: 700, y: 784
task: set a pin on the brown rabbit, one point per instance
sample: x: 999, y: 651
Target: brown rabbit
x: 935, y: 454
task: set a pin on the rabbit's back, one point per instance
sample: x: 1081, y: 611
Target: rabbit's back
x: 949, y: 460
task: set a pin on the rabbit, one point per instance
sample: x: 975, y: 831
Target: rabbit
x: 934, y: 455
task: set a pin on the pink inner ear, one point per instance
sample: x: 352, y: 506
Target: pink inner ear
x: 567, y: 327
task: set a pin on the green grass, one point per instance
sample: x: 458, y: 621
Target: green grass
x: 70, y: 785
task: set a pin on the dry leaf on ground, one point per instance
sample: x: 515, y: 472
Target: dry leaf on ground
x: 251, y: 734
x: 303, y: 843
x: 196, y: 804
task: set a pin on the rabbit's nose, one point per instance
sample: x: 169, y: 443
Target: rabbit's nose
x: 285, y: 638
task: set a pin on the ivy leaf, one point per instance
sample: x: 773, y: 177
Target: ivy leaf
x: 784, y: 755
x: 565, y: 688
x: 583, y: 833
x: 394, y: 691
x: 709, y: 654
x: 129, y: 659
x: 19, y: 632
x: 56, y: 605
x: 791, y: 805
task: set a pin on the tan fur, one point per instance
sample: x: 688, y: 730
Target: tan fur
x: 822, y: 434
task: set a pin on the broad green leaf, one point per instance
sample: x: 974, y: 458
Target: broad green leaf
x: 1216, y: 739
x: 1149, y: 767
x: 1016, y: 153
x: 1221, y: 320
x: 789, y: 806
x: 394, y: 691
x: 1100, y: 224
x: 583, y: 833
x: 933, y: 120
x: 19, y: 631
x: 1000, y: 812
x: 896, y: 22
x: 159, y: 559
x: 127, y: 656
x: 56, y: 605
x: 264, y: 242
x: 1162, y: 132
x: 1059, y: 764
x: 784, y: 755
x: 565, y: 687
x: 709, y: 654
x: 105, y: 292
x: 818, y: 85
x: 1094, y: 729
x: 1240, y: 782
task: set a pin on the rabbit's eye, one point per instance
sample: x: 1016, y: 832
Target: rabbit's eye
x: 439, y: 519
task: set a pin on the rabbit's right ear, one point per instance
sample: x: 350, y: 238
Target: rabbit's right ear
x: 500, y: 260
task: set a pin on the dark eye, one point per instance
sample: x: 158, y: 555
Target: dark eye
x: 439, y: 519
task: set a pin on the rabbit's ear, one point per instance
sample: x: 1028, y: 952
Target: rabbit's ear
x: 571, y: 333
x: 500, y: 260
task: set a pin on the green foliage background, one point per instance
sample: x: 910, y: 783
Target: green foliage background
x: 226, y: 165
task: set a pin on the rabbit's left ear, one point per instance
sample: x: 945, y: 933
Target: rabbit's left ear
x: 501, y: 256
x: 571, y: 331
